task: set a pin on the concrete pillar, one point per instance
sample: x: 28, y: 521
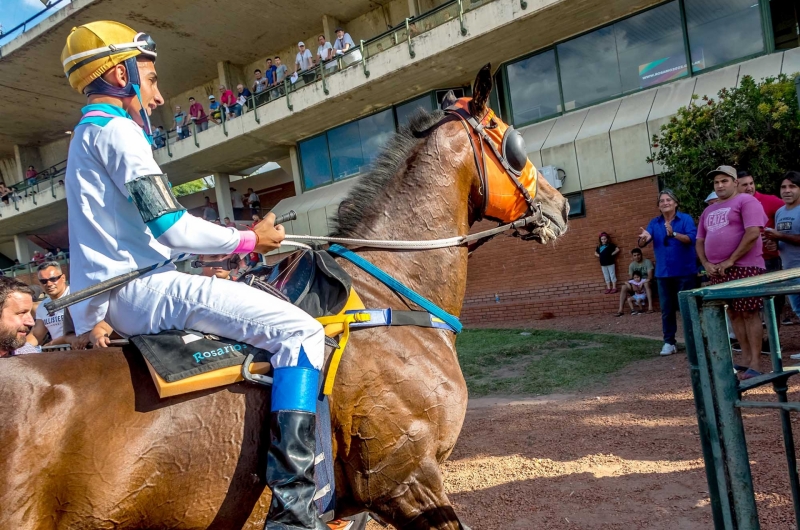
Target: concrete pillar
x: 25, y: 156
x: 222, y: 189
x: 230, y: 75
x: 329, y: 25
x: 294, y: 157
x: 22, y: 248
x: 413, y: 9
x: 8, y: 170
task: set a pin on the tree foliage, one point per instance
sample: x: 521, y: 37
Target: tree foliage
x: 754, y: 127
x: 189, y: 187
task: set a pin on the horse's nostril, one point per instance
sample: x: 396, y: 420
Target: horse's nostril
x: 565, y: 209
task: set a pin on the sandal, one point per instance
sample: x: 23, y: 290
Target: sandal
x: 607, y: 291
x: 618, y: 314
x: 748, y: 374
x: 650, y: 311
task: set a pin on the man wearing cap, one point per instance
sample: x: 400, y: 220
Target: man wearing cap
x: 123, y: 216
x: 673, y: 236
x: 730, y: 248
x: 213, y: 109
x: 303, y: 61
x: 712, y: 198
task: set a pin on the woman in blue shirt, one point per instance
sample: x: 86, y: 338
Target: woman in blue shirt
x: 673, y: 235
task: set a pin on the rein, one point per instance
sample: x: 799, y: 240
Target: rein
x: 430, y: 244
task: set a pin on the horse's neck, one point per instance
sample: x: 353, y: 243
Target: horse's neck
x: 423, y: 205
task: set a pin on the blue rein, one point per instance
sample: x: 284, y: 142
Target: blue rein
x: 398, y: 287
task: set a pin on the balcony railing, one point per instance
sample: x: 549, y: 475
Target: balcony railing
x: 29, y: 269
x: 401, y: 35
x: 47, y: 181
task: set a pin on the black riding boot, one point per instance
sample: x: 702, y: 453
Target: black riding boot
x: 290, y: 460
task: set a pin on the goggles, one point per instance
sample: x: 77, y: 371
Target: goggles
x: 141, y: 41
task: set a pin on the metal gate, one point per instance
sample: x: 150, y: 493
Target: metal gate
x: 719, y: 397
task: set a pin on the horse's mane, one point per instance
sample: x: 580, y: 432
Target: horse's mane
x: 361, y: 203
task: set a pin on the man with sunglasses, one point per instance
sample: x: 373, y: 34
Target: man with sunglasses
x: 55, y: 285
x: 123, y: 216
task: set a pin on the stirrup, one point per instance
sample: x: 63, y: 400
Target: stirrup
x: 254, y: 378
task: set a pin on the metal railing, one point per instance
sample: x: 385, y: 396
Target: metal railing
x: 24, y: 25
x: 50, y: 179
x: 30, y: 267
x: 402, y: 34
x: 720, y: 397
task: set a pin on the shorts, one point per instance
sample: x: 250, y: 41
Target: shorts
x: 609, y: 273
x: 740, y: 305
x: 639, y: 298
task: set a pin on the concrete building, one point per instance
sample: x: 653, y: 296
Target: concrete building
x: 587, y: 82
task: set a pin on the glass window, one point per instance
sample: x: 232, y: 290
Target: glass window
x: 406, y: 110
x: 533, y: 88
x: 375, y: 132
x: 315, y: 161
x: 345, y: 148
x: 576, y: 205
x: 722, y: 30
x: 650, y: 47
x: 589, y: 68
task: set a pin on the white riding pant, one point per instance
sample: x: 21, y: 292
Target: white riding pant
x: 174, y: 300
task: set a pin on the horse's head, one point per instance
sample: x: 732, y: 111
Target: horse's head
x: 507, y: 186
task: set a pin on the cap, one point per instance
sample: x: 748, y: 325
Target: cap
x: 211, y: 96
x: 711, y: 196
x: 301, y: 43
x: 725, y: 170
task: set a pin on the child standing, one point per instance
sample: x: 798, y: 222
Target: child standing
x: 638, y: 299
x: 607, y: 252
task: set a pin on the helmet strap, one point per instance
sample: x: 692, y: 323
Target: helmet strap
x: 148, y: 129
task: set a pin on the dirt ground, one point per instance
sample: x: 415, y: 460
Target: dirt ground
x: 624, y: 456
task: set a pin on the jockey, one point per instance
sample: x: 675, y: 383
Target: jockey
x: 123, y: 216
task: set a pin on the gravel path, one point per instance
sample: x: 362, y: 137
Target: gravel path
x: 623, y: 456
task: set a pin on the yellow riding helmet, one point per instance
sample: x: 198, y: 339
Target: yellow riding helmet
x: 94, y: 48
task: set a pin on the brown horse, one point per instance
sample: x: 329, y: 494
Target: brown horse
x: 87, y: 443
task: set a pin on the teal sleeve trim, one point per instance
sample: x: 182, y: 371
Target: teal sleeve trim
x: 295, y: 388
x: 95, y: 120
x: 161, y: 224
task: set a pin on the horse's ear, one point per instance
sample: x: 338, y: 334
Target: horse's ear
x: 449, y: 99
x: 481, y: 90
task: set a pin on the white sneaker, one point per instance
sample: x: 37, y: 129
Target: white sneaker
x: 668, y: 349
x: 795, y: 356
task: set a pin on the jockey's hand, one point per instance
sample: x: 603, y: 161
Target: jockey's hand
x: 269, y: 235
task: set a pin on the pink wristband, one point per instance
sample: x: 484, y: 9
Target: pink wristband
x: 247, y: 241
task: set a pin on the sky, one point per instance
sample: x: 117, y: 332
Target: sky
x: 14, y: 12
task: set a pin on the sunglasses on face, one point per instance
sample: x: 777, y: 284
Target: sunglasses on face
x: 54, y: 279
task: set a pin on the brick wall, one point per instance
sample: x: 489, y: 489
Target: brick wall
x: 564, y: 278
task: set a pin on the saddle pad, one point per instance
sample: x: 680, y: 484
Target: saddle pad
x: 177, y: 354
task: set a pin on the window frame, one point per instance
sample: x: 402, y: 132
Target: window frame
x: 508, y: 111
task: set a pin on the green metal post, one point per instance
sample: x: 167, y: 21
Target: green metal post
x: 729, y: 417
x: 523, y: 4
x: 781, y: 387
x: 194, y: 133
x: 169, y: 149
x: 286, y: 87
x: 224, y: 114
x: 255, y: 108
x: 408, y: 36
x: 364, y: 55
x: 704, y: 405
x: 461, y: 17
x: 322, y: 74
x: 771, y: 320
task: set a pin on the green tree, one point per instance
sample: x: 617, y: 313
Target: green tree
x: 189, y: 187
x: 754, y: 127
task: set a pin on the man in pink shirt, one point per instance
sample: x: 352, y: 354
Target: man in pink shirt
x: 730, y: 248
x: 198, y: 115
x: 228, y: 100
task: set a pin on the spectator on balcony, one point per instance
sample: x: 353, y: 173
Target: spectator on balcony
x: 324, y: 51
x: 214, y: 109
x: 181, y: 123
x: 256, y: 220
x: 343, y: 42
x: 38, y: 258
x: 30, y: 176
x: 159, y: 139
x: 227, y: 222
x: 243, y: 97
x: 49, y: 255
x: 5, y: 193
x: 237, y: 201
x: 304, y: 62
x: 209, y: 213
x: 254, y: 201
x: 228, y: 101
x: 198, y: 115
x: 60, y: 253
x: 260, y: 86
x: 269, y: 73
x: 280, y: 74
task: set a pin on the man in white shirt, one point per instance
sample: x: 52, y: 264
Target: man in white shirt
x: 123, y: 216
x: 324, y: 52
x: 254, y: 201
x: 237, y: 201
x: 343, y: 44
x: 209, y: 213
x: 303, y: 60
